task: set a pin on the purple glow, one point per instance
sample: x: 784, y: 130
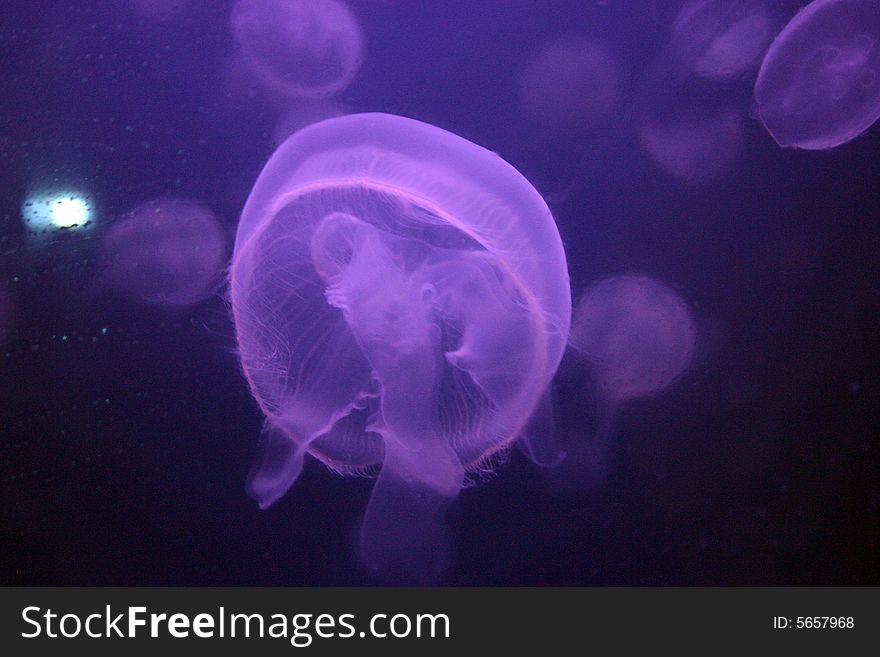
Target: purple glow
x: 694, y: 146
x: 401, y: 302
x: 741, y: 36
x: 299, y: 48
x: 818, y: 86
x: 572, y: 82
x: 167, y: 252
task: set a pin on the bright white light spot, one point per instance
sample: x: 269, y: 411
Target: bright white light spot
x: 49, y: 211
x: 69, y: 212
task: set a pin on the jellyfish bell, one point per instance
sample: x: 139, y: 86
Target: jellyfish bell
x: 636, y: 333
x: 167, y: 252
x: 818, y: 86
x: 299, y: 48
x: 572, y: 82
x: 637, y: 338
x: 734, y: 36
x: 692, y: 144
x: 401, y: 302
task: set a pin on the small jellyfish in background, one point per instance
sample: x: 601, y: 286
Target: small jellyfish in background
x: 638, y: 337
x: 739, y: 33
x: 299, y: 48
x: 571, y: 83
x: 692, y: 144
x: 818, y: 86
x: 167, y: 251
x: 401, y: 302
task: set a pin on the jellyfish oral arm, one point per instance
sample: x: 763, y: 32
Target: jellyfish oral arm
x: 389, y: 312
x: 403, y: 536
x: 277, y: 465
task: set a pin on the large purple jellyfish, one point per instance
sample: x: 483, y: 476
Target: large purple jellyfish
x: 167, y: 252
x: 818, y: 86
x: 739, y: 33
x: 401, y: 302
x: 638, y: 337
x: 299, y: 48
x: 571, y: 82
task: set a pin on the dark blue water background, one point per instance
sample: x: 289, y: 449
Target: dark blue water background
x: 126, y: 432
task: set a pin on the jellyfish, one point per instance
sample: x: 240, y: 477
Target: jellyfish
x: 637, y: 337
x: 572, y: 82
x: 299, y: 48
x: 694, y: 145
x: 736, y: 35
x: 711, y: 39
x: 818, y: 85
x: 401, y: 302
x: 167, y: 251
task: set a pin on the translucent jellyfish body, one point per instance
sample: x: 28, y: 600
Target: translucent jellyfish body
x: 572, y: 82
x: 299, y: 48
x: 693, y: 145
x: 818, y: 86
x: 638, y: 337
x: 401, y: 302
x: 724, y: 39
x: 168, y: 252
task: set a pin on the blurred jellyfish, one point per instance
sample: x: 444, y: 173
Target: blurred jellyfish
x: 705, y: 41
x: 571, y: 82
x: 693, y: 145
x: 301, y: 114
x: 47, y: 211
x: 299, y: 48
x: 401, y: 302
x: 167, y: 252
x: 638, y: 337
x: 159, y: 10
x: 818, y: 86
x: 738, y: 35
